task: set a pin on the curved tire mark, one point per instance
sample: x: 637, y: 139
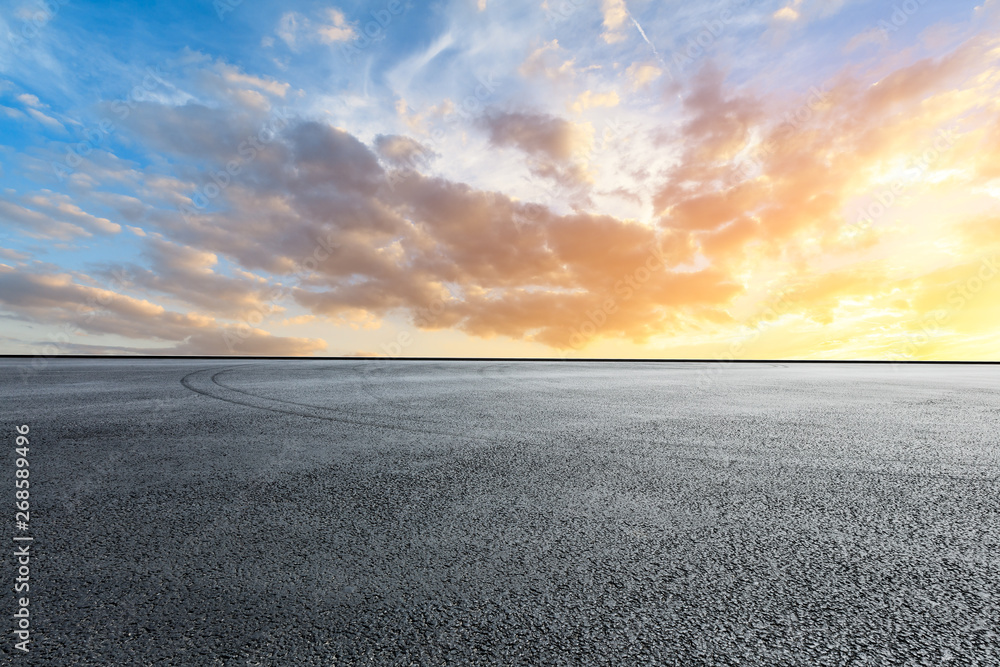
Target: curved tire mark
x: 346, y: 413
x: 342, y: 411
x: 204, y: 382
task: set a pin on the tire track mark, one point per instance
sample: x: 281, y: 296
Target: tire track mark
x: 343, y: 411
x: 355, y: 414
x: 203, y: 382
x: 210, y: 388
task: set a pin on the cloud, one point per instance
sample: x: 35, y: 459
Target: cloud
x: 545, y: 61
x: 914, y: 81
x: 13, y: 254
x: 495, y: 266
x: 337, y: 30
x: 294, y: 28
x: 589, y: 99
x: 804, y: 11
x: 870, y: 36
x: 288, y: 27
x: 56, y: 299
x: 188, y: 274
x: 557, y: 147
x: 789, y: 12
x: 49, y: 215
x: 615, y: 13
x: 48, y: 121
x: 12, y: 113
x: 795, y: 15
x: 34, y: 224
x: 718, y: 125
x: 642, y: 74
x: 742, y: 187
x: 235, y: 77
x: 750, y: 182
x: 401, y: 151
x: 537, y: 134
x: 218, y: 83
x: 447, y: 255
x: 29, y: 100
x: 257, y: 343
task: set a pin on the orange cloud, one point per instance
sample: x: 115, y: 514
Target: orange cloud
x: 752, y: 198
x: 57, y: 299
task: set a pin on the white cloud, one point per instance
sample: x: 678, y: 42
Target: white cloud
x: 545, y: 61
x: 788, y: 12
x: 642, y: 74
x: 293, y: 28
x: 615, y: 12
x: 288, y: 27
x: 589, y: 99
x: 12, y: 113
x: 338, y: 29
x: 30, y: 100
x: 47, y: 121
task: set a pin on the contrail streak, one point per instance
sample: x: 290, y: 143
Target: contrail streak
x: 643, y: 33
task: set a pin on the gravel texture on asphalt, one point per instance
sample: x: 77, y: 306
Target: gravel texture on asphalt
x: 251, y: 512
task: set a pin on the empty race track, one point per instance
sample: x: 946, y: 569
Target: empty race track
x: 338, y: 512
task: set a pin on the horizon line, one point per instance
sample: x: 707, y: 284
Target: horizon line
x: 540, y: 359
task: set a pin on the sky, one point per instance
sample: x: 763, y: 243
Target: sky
x: 733, y: 179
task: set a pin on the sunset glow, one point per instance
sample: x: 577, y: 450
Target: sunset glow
x: 581, y: 178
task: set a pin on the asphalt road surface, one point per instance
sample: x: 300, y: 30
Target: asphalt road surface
x: 247, y: 512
